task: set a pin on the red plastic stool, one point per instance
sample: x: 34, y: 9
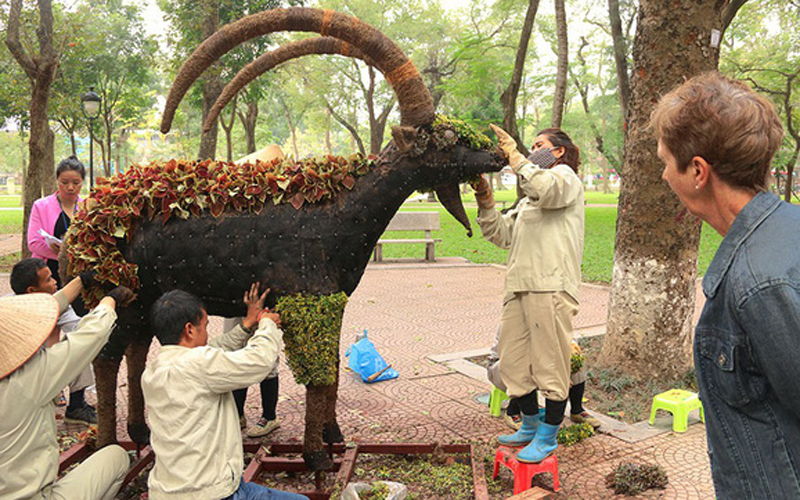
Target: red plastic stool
x: 523, y: 473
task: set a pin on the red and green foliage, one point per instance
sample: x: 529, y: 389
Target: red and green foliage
x: 182, y: 189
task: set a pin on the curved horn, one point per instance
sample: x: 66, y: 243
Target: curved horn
x: 416, y: 105
x: 265, y: 62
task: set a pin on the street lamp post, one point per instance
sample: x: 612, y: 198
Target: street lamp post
x: 91, y: 110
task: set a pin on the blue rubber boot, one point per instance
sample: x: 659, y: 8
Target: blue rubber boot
x: 526, y: 432
x: 542, y: 446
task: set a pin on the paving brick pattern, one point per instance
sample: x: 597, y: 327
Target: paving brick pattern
x: 414, y: 311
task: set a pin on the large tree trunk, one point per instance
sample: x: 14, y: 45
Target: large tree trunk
x: 620, y: 57
x: 40, y: 70
x: 40, y: 150
x: 212, y: 86
x: 655, y: 261
x: 563, y: 61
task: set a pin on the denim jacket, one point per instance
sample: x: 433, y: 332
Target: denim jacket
x: 747, y: 354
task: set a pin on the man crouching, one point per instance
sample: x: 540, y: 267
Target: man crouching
x: 187, y: 390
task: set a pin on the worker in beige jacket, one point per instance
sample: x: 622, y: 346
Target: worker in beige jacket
x: 187, y: 389
x: 31, y: 377
x: 544, y: 236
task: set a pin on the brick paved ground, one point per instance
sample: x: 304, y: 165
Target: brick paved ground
x: 415, y: 311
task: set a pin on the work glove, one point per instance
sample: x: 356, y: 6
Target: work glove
x: 483, y: 193
x: 87, y: 279
x: 122, y: 295
x: 509, y: 147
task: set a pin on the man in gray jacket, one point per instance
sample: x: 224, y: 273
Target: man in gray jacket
x: 31, y: 377
x: 187, y: 390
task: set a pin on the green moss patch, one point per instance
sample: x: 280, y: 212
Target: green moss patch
x: 311, y: 326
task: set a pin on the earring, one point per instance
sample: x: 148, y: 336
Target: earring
x: 696, y: 186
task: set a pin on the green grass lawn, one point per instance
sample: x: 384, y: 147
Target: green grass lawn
x: 10, y: 221
x: 8, y: 201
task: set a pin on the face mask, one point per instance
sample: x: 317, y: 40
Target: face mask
x: 543, y: 158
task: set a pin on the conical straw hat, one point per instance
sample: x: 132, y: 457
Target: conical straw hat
x: 266, y: 154
x: 25, y: 322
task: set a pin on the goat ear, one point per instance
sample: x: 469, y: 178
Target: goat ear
x: 404, y: 137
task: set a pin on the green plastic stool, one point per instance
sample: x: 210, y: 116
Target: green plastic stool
x: 679, y: 403
x: 496, y: 398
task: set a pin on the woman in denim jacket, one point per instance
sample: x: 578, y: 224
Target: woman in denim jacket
x: 717, y: 138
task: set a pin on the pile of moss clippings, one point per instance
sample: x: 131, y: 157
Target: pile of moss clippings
x: 631, y: 478
x: 427, y: 477
x: 434, y: 477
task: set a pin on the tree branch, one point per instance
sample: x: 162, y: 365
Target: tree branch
x: 730, y: 12
x: 12, y: 40
x: 345, y: 124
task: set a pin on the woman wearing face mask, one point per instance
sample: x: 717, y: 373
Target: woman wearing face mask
x: 53, y: 214
x: 544, y: 237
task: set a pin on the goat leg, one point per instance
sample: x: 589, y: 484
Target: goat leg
x: 314, y: 454
x: 105, y: 374
x: 331, y: 433
x: 136, y: 356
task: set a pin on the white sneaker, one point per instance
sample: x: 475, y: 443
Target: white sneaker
x: 263, y: 427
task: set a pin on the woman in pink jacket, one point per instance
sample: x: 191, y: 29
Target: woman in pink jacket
x: 53, y: 214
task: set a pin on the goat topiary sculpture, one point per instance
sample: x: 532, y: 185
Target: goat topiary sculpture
x: 305, y: 229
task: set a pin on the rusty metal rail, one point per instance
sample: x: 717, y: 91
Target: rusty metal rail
x: 267, y: 458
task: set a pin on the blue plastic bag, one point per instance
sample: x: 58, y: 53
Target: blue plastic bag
x: 366, y: 361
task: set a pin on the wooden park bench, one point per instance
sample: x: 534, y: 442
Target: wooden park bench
x: 412, y: 221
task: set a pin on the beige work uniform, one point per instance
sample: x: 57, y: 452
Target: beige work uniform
x: 544, y: 236
x: 193, y: 420
x: 28, y: 445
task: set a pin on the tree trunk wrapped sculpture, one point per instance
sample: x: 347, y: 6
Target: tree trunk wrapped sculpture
x: 304, y: 228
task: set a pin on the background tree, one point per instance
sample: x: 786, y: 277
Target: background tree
x: 559, y: 95
x: 192, y: 22
x: 762, y: 50
x: 509, y: 95
x: 655, y: 259
x: 118, y: 58
x: 40, y: 69
x: 619, y: 39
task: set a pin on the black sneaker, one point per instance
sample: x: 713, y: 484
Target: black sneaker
x: 86, y: 415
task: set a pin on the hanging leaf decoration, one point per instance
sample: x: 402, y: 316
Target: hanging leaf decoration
x: 183, y: 189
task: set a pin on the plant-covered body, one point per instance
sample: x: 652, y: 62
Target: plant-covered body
x: 175, y: 237
x: 306, y: 230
